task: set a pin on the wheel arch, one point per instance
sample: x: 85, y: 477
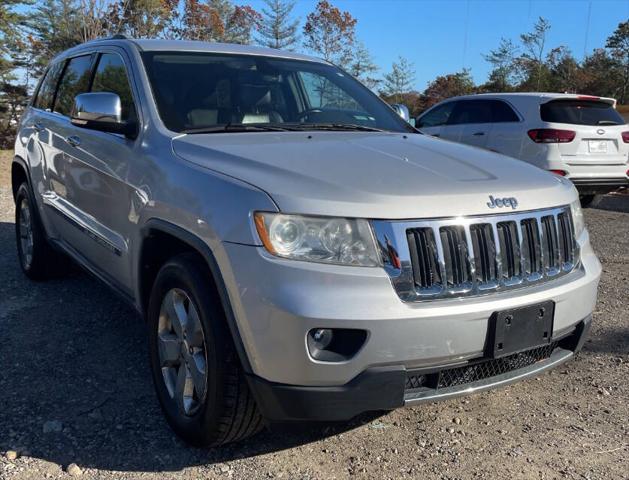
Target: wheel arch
x: 159, y: 236
x: 19, y: 174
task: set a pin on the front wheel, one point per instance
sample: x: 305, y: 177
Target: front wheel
x: 199, y: 382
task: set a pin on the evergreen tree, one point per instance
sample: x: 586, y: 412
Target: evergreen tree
x: 618, y: 44
x: 399, y: 80
x: 363, y: 68
x: 277, y: 29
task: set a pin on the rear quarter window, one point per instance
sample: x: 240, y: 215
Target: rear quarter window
x: 46, y: 93
x: 580, y: 112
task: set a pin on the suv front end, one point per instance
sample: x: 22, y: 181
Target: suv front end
x: 329, y: 341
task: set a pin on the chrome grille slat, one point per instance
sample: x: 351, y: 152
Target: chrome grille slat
x: 451, y: 257
x: 484, y: 248
x: 509, y: 241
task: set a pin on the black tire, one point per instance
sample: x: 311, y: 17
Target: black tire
x: 40, y: 261
x: 228, y: 411
x: 587, y: 200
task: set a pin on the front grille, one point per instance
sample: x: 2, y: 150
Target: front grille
x: 453, y: 257
x: 477, y: 371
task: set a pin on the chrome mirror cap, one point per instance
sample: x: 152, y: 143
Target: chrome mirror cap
x: 97, y: 107
x: 101, y: 111
x: 402, y: 111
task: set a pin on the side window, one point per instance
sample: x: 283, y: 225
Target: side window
x: 471, y: 111
x: 111, y: 76
x: 437, y: 116
x: 75, y: 80
x: 502, y: 112
x: 46, y: 93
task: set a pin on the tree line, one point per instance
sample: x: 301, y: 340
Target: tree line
x: 32, y: 32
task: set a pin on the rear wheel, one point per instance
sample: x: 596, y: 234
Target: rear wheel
x: 39, y: 261
x: 199, y: 382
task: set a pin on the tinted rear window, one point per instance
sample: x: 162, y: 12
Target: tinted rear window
x: 580, y: 112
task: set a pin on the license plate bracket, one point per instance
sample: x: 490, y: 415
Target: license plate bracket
x: 597, y: 146
x: 518, y: 329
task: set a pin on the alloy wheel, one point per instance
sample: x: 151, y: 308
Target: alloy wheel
x: 26, y: 234
x: 182, y: 351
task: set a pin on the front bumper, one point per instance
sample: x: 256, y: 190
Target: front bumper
x: 387, y: 388
x: 277, y: 302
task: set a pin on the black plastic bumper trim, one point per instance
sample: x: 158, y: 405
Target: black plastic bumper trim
x: 382, y: 388
x: 599, y: 185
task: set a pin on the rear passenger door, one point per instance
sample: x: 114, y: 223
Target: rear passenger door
x: 506, y: 131
x: 90, y: 190
x: 42, y: 145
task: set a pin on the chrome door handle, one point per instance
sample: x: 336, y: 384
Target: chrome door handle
x: 74, y: 140
x: 478, y: 134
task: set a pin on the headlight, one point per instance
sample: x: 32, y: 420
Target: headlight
x: 577, y: 217
x: 342, y: 241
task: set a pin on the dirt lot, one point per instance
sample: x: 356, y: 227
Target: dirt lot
x: 75, y: 388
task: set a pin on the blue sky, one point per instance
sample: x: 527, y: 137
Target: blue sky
x: 432, y: 34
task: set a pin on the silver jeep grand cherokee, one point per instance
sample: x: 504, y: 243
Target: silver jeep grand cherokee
x: 298, y: 250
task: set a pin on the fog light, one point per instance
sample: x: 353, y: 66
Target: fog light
x: 334, y: 344
x: 322, y: 338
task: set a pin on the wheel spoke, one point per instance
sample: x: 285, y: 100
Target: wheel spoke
x: 176, y: 312
x: 184, y: 389
x: 169, y: 349
x: 194, y: 330
x: 196, y: 365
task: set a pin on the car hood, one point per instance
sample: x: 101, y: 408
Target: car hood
x: 373, y: 175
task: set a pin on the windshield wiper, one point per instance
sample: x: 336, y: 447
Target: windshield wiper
x: 331, y: 126
x: 235, y: 128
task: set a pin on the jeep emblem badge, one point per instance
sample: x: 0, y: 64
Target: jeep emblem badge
x: 502, y: 202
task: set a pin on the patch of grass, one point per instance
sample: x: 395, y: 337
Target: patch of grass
x: 5, y: 168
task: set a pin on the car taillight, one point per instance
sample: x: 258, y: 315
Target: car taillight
x: 559, y: 172
x: 625, y: 137
x: 551, y: 135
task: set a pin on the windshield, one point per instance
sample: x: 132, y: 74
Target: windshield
x: 580, y: 112
x: 206, y: 92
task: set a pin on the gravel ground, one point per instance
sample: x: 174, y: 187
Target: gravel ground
x: 76, y: 397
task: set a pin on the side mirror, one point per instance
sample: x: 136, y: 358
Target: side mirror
x: 101, y: 111
x: 402, y: 111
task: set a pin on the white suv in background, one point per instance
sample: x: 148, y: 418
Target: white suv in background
x: 581, y: 137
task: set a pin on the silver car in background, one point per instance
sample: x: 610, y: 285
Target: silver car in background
x: 299, y: 252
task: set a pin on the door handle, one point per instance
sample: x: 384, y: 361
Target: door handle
x: 478, y: 134
x: 436, y: 134
x: 74, y: 140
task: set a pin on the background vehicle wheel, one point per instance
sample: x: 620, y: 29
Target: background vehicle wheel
x: 39, y: 261
x: 199, y: 382
x: 588, y: 200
